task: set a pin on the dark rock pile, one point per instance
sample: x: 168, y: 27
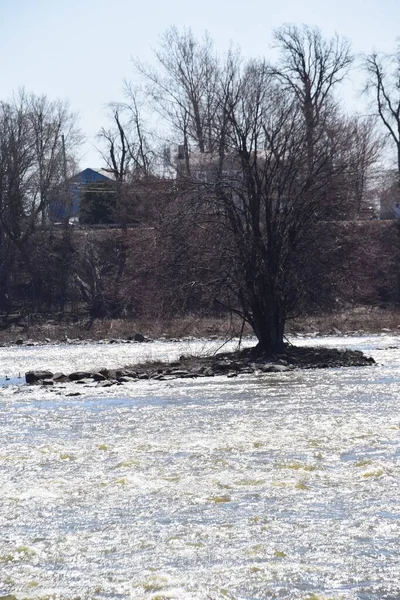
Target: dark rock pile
x: 229, y: 364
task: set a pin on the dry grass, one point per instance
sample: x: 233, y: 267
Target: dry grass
x: 125, y: 329
x: 358, y: 319
x: 361, y: 319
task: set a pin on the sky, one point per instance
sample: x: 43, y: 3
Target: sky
x: 82, y: 50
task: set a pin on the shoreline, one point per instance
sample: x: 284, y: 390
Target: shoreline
x: 351, y: 322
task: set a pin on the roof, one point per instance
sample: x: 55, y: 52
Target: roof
x: 90, y: 175
x: 105, y: 172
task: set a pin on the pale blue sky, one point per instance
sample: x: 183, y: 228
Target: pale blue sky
x: 82, y: 50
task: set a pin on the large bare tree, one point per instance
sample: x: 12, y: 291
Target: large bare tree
x: 383, y: 84
x: 264, y: 162
x: 271, y: 199
x: 183, y: 86
x: 125, y: 147
x: 310, y: 66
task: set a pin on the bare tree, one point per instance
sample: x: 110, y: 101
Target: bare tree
x: 264, y: 162
x: 310, y: 67
x: 361, y: 150
x: 273, y: 206
x: 31, y: 166
x: 127, y: 152
x: 183, y: 88
x: 383, y: 84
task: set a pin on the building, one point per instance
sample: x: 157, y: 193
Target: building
x: 67, y: 201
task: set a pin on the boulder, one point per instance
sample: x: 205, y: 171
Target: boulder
x: 60, y: 377
x: 179, y: 372
x: 34, y: 376
x: 273, y: 368
x: 138, y: 337
x: 79, y: 375
x: 208, y: 372
x: 120, y: 373
x: 223, y: 366
x: 104, y: 371
x: 131, y: 374
x: 99, y: 377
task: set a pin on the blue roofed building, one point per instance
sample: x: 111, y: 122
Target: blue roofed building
x: 67, y: 201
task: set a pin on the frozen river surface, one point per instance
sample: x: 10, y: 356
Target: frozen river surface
x: 263, y: 486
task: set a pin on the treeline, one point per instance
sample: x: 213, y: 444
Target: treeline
x: 163, y: 273
x: 38, y: 142
x: 246, y: 200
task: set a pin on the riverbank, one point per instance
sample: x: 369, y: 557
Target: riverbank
x: 355, y: 321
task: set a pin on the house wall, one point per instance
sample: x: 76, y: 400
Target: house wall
x: 66, y: 203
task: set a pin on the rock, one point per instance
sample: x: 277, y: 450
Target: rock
x: 208, y: 372
x: 282, y: 361
x: 197, y: 370
x: 179, y: 372
x: 99, y: 377
x: 223, y: 365
x: 73, y: 394
x: 19, y: 342
x: 156, y: 375
x: 138, y: 337
x: 124, y: 379
x: 79, y: 375
x: 104, y: 372
x: 34, y: 376
x: 120, y: 373
x: 274, y: 368
x: 60, y: 377
x: 47, y: 382
x: 131, y: 374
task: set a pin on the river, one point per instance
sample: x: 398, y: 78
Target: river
x: 262, y: 486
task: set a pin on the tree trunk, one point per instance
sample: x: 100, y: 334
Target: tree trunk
x: 269, y: 328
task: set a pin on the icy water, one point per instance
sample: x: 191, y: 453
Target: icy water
x: 265, y: 486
